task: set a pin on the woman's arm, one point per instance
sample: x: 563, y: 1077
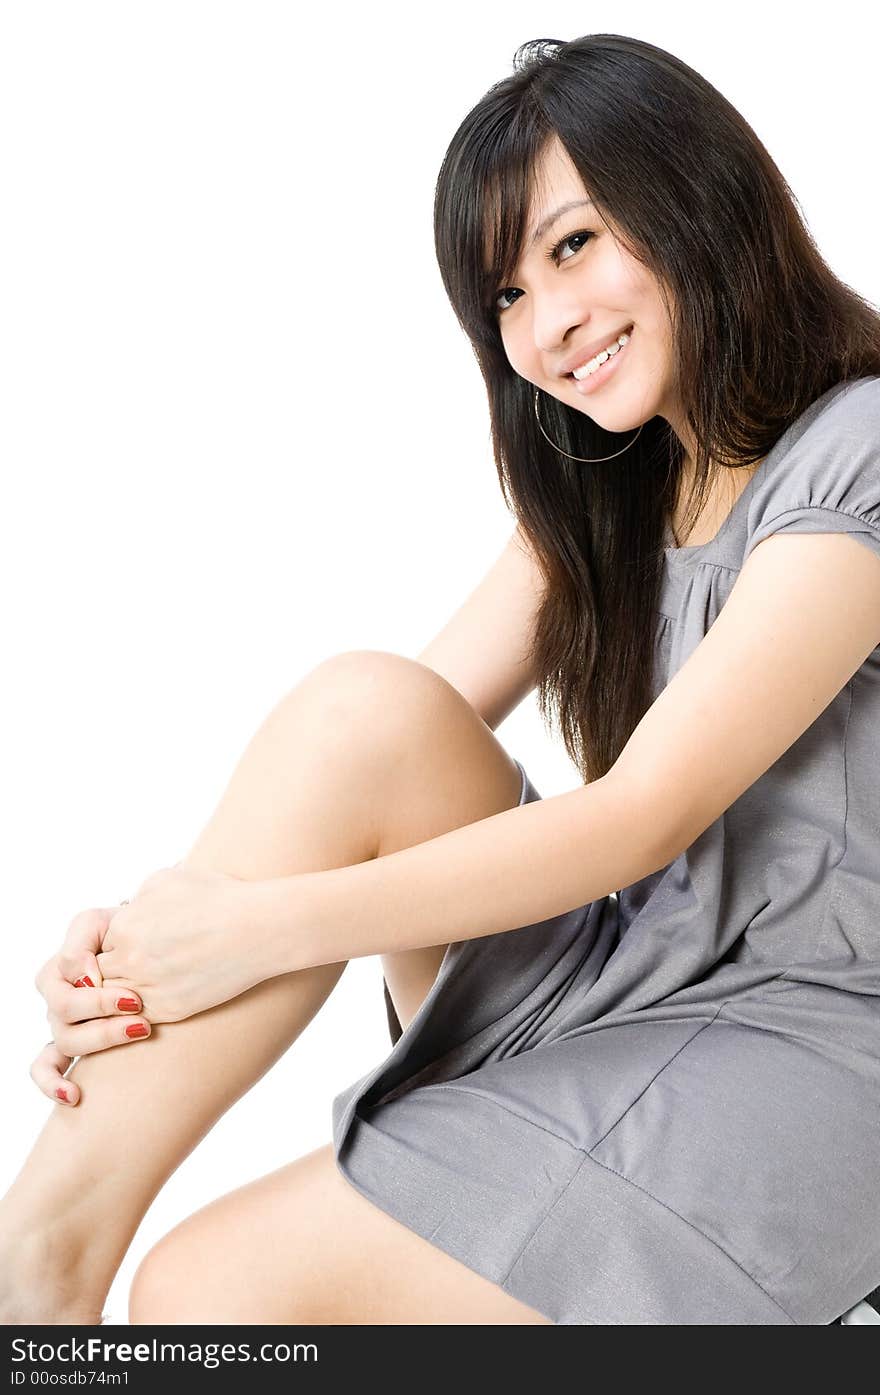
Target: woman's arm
x: 801, y: 619
x: 516, y: 868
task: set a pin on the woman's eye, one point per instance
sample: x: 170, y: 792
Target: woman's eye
x: 553, y: 256
x: 505, y: 291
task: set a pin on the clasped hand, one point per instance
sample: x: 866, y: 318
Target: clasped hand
x: 182, y: 945
x: 180, y: 942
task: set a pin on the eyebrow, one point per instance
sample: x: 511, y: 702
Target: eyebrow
x: 551, y: 218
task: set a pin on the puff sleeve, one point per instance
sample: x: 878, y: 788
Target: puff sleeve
x: 829, y: 480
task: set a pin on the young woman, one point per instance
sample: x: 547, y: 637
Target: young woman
x: 635, y: 1074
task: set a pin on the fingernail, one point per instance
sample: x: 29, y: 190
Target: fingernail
x: 137, y: 1029
x: 62, y: 1095
x: 84, y: 982
x: 128, y: 1005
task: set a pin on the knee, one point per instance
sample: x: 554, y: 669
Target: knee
x: 376, y: 686
x: 370, y: 671
x: 165, y: 1287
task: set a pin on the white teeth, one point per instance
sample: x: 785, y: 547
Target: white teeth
x: 587, y: 368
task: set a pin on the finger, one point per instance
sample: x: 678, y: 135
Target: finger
x: 104, y: 964
x: 84, y: 938
x: 65, y: 1000
x: 71, y: 1004
x: 53, y: 986
x: 47, y: 1072
x: 83, y: 1038
x: 90, y: 973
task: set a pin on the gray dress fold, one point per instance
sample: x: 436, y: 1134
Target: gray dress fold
x: 663, y: 1107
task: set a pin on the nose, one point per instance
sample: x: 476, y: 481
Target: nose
x: 556, y: 320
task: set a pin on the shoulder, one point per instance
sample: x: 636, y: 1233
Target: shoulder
x: 802, y: 618
x: 823, y: 474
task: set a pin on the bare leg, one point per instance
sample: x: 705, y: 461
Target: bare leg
x: 314, y: 789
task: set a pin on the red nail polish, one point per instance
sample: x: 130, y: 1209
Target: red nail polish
x: 137, y: 1029
x: 128, y: 1005
x: 62, y: 1095
x: 84, y: 982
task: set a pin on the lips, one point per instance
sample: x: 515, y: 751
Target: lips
x: 587, y: 355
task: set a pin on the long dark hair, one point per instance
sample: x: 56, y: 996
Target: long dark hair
x: 760, y: 328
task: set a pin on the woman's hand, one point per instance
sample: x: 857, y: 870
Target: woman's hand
x: 183, y: 942
x: 172, y: 952
x: 86, y: 1018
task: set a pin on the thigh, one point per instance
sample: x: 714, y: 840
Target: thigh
x: 302, y: 1245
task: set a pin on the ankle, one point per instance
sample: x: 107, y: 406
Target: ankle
x: 49, y: 1270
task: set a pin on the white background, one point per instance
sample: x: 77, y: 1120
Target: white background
x: 241, y: 431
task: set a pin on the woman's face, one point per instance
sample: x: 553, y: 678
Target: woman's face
x: 563, y: 307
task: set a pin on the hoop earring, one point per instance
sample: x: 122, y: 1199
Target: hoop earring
x: 583, y: 458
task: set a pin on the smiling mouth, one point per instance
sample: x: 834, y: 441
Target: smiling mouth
x: 629, y: 330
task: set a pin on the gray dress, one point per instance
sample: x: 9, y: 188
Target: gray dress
x: 664, y: 1107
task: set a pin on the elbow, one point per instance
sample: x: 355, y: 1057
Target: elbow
x: 654, y: 832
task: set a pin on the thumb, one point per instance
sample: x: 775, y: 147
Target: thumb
x: 84, y: 939
x: 89, y: 975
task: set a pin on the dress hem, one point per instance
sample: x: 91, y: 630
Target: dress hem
x: 572, y: 1238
